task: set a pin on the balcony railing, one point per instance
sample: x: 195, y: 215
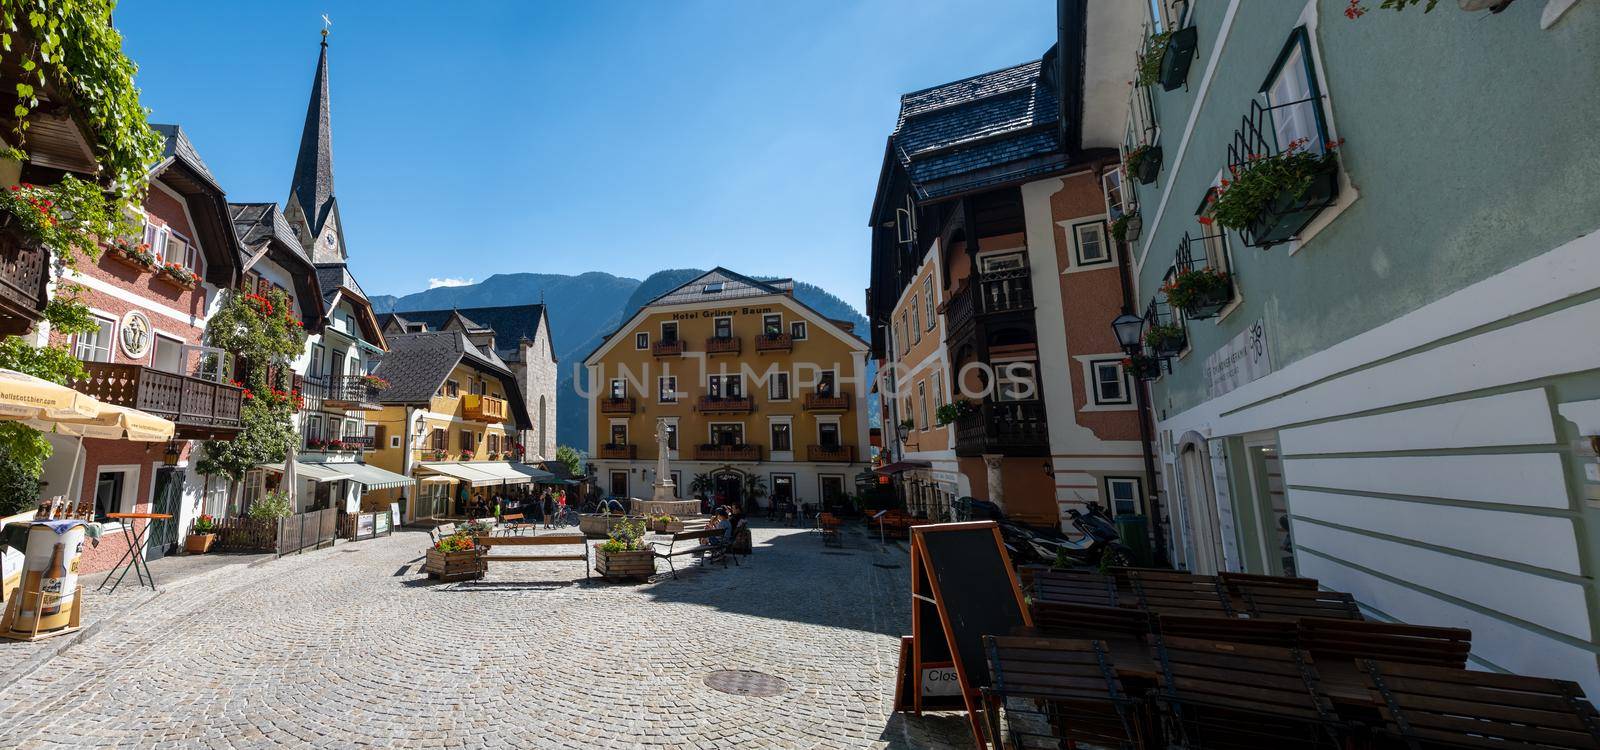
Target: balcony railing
x: 201, y: 408
x: 667, y: 348
x: 484, y: 408
x: 723, y: 345
x: 725, y: 404
x: 774, y: 342
x: 838, y: 453
x: 347, y: 444
x: 616, y: 405
x: 827, y: 402
x: 619, y: 450
x: 1012, y: 428
x: 350, y: 392
x: 1005, y: 291
x: 713, y: 452
x: 23, y: 270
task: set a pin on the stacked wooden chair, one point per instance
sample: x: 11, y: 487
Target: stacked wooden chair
x: 1236, y: 695
x: 1054, y: 689
x: 1438, y: 707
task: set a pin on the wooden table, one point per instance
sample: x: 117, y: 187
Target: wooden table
x: 134, y: 557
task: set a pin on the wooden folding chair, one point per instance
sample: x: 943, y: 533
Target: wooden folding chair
x: 1437, y: 707
x: 1286, y: 603
x: 1331, y: 640
x: 1280, y: 633
x: 1172, y: 592
x: 1044, y: 691
x: 1239, y: 695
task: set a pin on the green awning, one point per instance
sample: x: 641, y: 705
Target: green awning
x: 374, y: 478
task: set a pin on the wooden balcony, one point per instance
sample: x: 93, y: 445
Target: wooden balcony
x: 1010, y: 428
x: 827, y: 402
x: 350, y: 393
x: 671, y: 348
x: 484, y: 408
x: 627, y: 451
x: 719, y: 345
x: 711, y: 452
x: 774, y: 342
x: 725, y: 405
x: 835, y: 453
x: 202, y: 409
x: 24, y: 269
x: 616, y: 405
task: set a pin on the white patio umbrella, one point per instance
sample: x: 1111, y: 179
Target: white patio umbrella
x: 24, y: 396
x: 112, y: 423
x: 291, y: 480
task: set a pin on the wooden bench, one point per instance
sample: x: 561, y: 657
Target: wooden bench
x: 1338, y: 640
x: 1056, y: 619
x: 695, y: 542
x: 1219, y: 694
x: 488, y: 543
x: 1057, y: 689
x: 1273, y: 601
x: 1171, y: 592
x: 1437, y: 707
x: 514, y: 522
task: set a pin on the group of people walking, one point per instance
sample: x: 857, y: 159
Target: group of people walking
x: 544, y: 506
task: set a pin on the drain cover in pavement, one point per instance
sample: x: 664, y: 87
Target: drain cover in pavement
x: 746, y: 682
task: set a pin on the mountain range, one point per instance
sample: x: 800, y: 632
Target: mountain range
x: 583, y: 309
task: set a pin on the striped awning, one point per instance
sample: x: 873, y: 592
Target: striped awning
x: 315, y: 472
x: 462, y: 472
x: 374, y: 478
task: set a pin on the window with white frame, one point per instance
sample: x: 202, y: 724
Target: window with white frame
x: 1294, y: 98
x: 778, y: 386
x: 797, y: 330
x: 725, y: 386
x: 669, y: 331
x: 922, y: 400
x: 1123, y: 496
x: 1110, y: 384
x: 938, y: 389
x: 916, y: 321
x: 1090, y: 239
x: 1015, y: 381
x: 167, y: 355
x: 641, y: 340
x: 95, y: 346
x: 772, y: 324
x: 668, y: 389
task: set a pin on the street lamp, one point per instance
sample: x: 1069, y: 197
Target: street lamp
x: 170, y: 457
x: 1128, y: 328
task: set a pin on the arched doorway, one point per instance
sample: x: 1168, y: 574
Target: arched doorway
x: 727, y: 487
x: 1200, y: 510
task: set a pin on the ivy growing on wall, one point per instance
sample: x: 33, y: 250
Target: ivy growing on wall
x: 265, y: 336
x: 72, y: 44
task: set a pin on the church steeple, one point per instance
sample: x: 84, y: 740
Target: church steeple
x: 312, y: 190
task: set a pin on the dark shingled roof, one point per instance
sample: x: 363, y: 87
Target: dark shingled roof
x: 313, y: 167
x: 258, y: 222
x: 332, y: 276
x: 418, y: 363
x: 988, y: 128
x: 511, y: 324
x: 734, y: 286
x: 176, y: 144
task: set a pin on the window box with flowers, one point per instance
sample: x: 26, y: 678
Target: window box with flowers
x: 1144, y: 163
x: 1166, y: 339
x: 201, y: 536
x: 954, y: 411
x: 439, y: 455
x: 1201, y: 293
x: 178, y: 276
x: 1126, y: 228
x: 466, y: 456
x: 1270, y: 198
x: 374, y: 382
x: 134, y: 255
x: 1142, y: 366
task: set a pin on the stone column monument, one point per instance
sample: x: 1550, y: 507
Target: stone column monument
x: 665, y: 489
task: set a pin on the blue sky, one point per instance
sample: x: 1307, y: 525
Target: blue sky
x: 623, y: 137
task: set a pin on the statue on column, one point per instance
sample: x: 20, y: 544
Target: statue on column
x: 665, y: 489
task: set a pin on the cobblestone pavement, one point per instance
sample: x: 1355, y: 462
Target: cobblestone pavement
x: 353, y: 647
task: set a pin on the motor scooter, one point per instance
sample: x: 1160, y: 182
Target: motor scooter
x: 1097, y: 544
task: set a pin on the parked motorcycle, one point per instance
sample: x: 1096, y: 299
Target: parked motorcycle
x: 1097, y: 544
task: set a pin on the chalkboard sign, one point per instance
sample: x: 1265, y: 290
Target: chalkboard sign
x: 963, y: 588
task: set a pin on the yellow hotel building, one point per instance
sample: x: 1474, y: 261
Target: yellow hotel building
x: 761, y: 396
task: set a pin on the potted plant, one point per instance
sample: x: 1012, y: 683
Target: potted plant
x: 439, y: 454
x: 374, y: 382
x: 954, y: 411
x: 1144, y: 163
x: 1271, y: 197
x: 178, y: 276
x: 666, y: 523
x: 202, y: 534
x: 1165, y: 339
x: 1142, y: 366
x: 1177, y: 53
x: 135, y: 255
x: 1126, y: 227
x: 454, y: 558
x: 1201, y: 293
x: 1150, y: 59
x: 466, y: 455
x: 625, y: 555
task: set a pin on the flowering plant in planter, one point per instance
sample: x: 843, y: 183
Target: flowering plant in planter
x: 1201, y: 292
x: 136, y: 254
x: 205, y: 524
x: 457, y: 542
x: 1144, y: 163
x: 466, y: 455
x: 375, y: 382
x: 1125, y: 228
x: 1150, y: 61
x: 626, y: 535
x: 258, y: 303
x: 182, y: 277
x: 1272, y: 184
x: 953, y: 411
x: 1142, y: 366
x: 440, y: 455
x: 1165, y: 338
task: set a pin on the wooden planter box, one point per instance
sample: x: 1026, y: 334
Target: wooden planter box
x: 136, y: 265
x: 598, y: 526
x: 181, y: 283
x: 454, y: 566
x: 199, y: 544
x: 634, y: 564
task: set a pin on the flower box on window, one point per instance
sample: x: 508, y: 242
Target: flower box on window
x: 1144, y: 163
x: 1200, y: 293
x: 1166, y: 339
x: 1142, y: 366
x: 1176, y: 57
x: 178, y: 276
x: 1126, y: 228
x: 134, y: 255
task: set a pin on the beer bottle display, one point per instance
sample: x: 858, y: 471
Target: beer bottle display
x: 55, y: 576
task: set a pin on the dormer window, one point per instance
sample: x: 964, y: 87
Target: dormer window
x: 712, y: 288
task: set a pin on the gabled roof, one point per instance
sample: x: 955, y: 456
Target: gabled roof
x: 417, y: 364
x: 262, y: 222
x: 182, y: 170
x: 512, y: 324
x: 720, y: 284
x: 175, y: 144
x: 312, y: 186
x: 261, y: 226
x: 336, y: 281
x: 993, y: 127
